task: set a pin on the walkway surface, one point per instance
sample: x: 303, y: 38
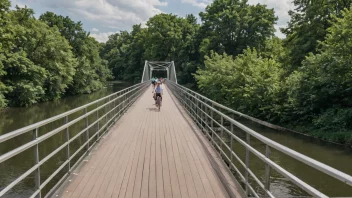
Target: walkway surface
x: 151, y: 154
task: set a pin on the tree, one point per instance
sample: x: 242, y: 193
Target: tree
x: 117, y: 53
x: 91, y: 71
x: 4, y: 8
x: 308, y: 25
x: 230, y: 26
x: 171, y: 38
x: 321, y: 88
x: 248, y: 83
x: 38, y: 62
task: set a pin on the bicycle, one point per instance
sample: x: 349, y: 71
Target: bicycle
x: 158, y: 102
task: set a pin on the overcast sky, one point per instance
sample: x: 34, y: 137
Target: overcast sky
x: 105, y: 17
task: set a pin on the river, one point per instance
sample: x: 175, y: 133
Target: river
x: 14, y: 118
x: 329, y: 154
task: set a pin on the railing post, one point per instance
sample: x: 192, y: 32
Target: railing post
x: 115, y: 117
x: 124, y: 100
x: 267, y: 170
x: 98, y: 136
x: 36, y: 158
x: 201, y: 116
x: 87, y: 131
x: 68, y: 147
x: 212, y: 123
x: 222, y: 135
x: 231, y: 144
x: 106, y: 113
x: 206, y: 110
x: 247, y: 163
x: 197, y: 108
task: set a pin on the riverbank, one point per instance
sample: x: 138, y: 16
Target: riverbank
x: 12, y: 118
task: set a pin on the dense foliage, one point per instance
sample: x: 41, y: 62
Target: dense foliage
x: 45, y: 59
x: 303, y: 81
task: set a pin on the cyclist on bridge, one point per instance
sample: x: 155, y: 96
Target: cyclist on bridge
x: 158, y: 91
x: 153, y: 82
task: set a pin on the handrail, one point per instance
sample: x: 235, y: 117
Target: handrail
x: 119, y: 101
x: 197, y: 108
x: 20, y: 131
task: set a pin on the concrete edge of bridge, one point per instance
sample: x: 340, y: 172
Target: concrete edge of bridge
x: 229, y: 182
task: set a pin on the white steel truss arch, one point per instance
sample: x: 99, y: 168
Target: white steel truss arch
x: 151, y: 66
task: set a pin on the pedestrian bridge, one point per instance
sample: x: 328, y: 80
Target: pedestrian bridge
x: 122, y: 146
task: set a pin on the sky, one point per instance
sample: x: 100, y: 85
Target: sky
x: 105, y: 17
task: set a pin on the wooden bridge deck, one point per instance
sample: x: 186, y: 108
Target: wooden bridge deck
x: 151, y: 154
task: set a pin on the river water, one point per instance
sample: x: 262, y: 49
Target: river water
x: 329, y: 154
x: 14, y: 118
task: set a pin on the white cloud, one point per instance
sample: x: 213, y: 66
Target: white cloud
x: 102, y: 36
x: 118, y: 14
x: 197, y: 3
x: 95, y: 30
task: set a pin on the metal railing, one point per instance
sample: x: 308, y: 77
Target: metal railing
x: 203, y: 110
x: 113, y: 106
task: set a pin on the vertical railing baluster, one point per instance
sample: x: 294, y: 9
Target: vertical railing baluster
x: 201, y: 116
x: 87, y: 131
x: 197, y: 109
x: 231, y: 145
x: 267, y: 169
x: 212, y: 124
x: 206, y: 120
x: 222, y: 135
x: 98, y: 136
x: 247, y: 163
x: 106, y: 113
x: 36, y: 158
x: 68, y: 147
x: 115, y: 116
x: 120, y: 104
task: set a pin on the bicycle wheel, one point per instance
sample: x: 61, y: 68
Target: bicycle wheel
x: 158, y: 102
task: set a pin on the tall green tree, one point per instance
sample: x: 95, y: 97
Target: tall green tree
x: 248, y: 83
x: 230, y: 26
x: 320, y: 90
x: 117, y: 52
x: 91, y: 71
x: 172, y: 38
x: 4, y: 8
x: 38, y: 62
x: 308, y: 25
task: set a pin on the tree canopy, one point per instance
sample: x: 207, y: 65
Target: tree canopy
x: 302, y: 81
x: 45, y: 59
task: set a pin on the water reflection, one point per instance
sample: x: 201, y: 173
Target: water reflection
x: 15, y: 118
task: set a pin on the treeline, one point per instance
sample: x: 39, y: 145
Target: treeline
x: 303, y: 81
x: 47, y: 58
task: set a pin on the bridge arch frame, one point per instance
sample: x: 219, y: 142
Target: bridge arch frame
x: 151, y: 66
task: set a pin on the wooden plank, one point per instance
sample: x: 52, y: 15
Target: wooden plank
x: 165, y: 161
x: 131, y: 172
x: 77, y: 192
x: 95, y: 182
x: 144, y: 192
x: 159, y: 161
x: 177, y: 160
x: 151, y: 154
x: 124, y: 176
x: 103, y: 182
x: 186, y: 166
